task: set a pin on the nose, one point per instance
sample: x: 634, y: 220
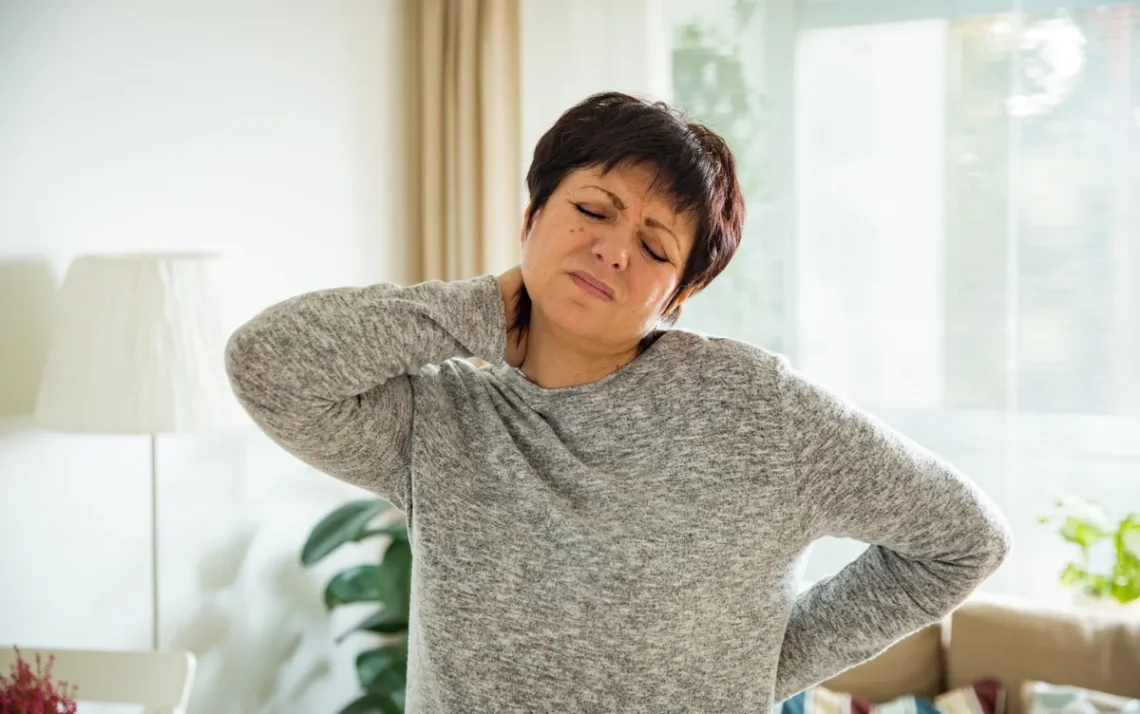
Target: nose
x: 612, y: 249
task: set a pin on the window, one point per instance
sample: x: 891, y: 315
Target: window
x: 944, y: 226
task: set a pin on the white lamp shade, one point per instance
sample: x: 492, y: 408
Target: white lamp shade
x: 138, y: 348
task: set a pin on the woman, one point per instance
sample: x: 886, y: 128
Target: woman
x: 609, y: 514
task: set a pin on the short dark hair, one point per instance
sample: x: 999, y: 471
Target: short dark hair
x: 698, y: 169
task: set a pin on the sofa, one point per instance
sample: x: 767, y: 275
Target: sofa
x: 1010, y: 641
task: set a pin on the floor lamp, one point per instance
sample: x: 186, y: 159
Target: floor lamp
x: 138, y: 349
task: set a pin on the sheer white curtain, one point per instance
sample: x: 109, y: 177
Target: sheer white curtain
x: 952, y: 238
x: 573, y: 48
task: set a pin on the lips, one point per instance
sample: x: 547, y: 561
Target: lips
x: 592, y: 285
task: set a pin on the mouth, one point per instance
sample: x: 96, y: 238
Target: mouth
x: 592, y: 285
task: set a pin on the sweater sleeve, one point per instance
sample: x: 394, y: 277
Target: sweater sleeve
x: 933, y: 537
x: 326, y: 374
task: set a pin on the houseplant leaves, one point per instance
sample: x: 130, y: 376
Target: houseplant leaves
x: 373, y: 704
x: 345, y: 524
x: 382, y: 671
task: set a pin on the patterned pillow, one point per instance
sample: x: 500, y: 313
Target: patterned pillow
x: 984, y: 697
x: 1045, y: 698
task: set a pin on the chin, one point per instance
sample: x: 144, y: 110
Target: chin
x: 577, y: 323
x: 569, y: 315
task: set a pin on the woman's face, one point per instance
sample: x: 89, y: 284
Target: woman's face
x: 604, y: 255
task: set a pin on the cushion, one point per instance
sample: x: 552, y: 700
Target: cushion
x: 1013, y: 642
x: 911, y: 666
x: 986, y: 697
x: 1047, y: 698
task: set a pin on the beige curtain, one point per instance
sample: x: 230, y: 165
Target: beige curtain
x: 465, y: 122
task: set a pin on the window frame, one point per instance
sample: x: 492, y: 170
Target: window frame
x: 1010, y: 444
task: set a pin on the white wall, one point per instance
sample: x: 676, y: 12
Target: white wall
x: 268, y: 129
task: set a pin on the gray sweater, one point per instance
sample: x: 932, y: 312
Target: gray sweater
x: 630, y: 545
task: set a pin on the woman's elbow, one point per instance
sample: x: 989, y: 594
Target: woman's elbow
x: 999, y: 542
x: 991, y: 546
x: 246, y: 365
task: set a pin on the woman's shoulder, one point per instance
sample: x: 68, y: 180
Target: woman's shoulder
x: 723, y: 366
x: 724, y: 355
x: 753, y: 372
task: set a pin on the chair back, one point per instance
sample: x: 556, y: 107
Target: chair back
x: 159, y: 681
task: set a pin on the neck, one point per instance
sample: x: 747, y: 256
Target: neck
x: 555, y: 361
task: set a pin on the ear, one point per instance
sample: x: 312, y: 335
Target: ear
x: 526, y: 224
x: 674, y: 309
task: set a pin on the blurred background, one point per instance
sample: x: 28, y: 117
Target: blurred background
x: 944, y: 226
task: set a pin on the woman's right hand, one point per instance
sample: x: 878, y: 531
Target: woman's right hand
x: 510, y: 282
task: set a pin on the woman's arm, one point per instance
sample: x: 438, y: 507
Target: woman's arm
x: 933, y: 535
x: 324, y: 374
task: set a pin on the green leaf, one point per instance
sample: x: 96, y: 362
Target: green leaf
x: 341, y: 526
x: 397, y: 531
x: 380, y: 623
x: 1072, y: 575
x: 1082, y: 532
x: 1126, y: 589
x: 361, y: 583
x: 383, y: 670
x: 396, y: 578
x: 1099, y: 585
x: 1126, y: 569
x: 388, y: 584
x: 1129, y: 535
x: 373, y: 704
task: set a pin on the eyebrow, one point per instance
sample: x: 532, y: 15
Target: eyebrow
x: 651, y: 222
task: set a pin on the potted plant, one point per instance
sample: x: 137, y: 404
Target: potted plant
x: 381, y: 670
x: 1094, y: 532
x: 34, y: 691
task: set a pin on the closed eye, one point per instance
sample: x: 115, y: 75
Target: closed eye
x: 651, y: 254
x: 589, y: 214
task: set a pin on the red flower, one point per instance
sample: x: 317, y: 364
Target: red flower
x: 28, y: 691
